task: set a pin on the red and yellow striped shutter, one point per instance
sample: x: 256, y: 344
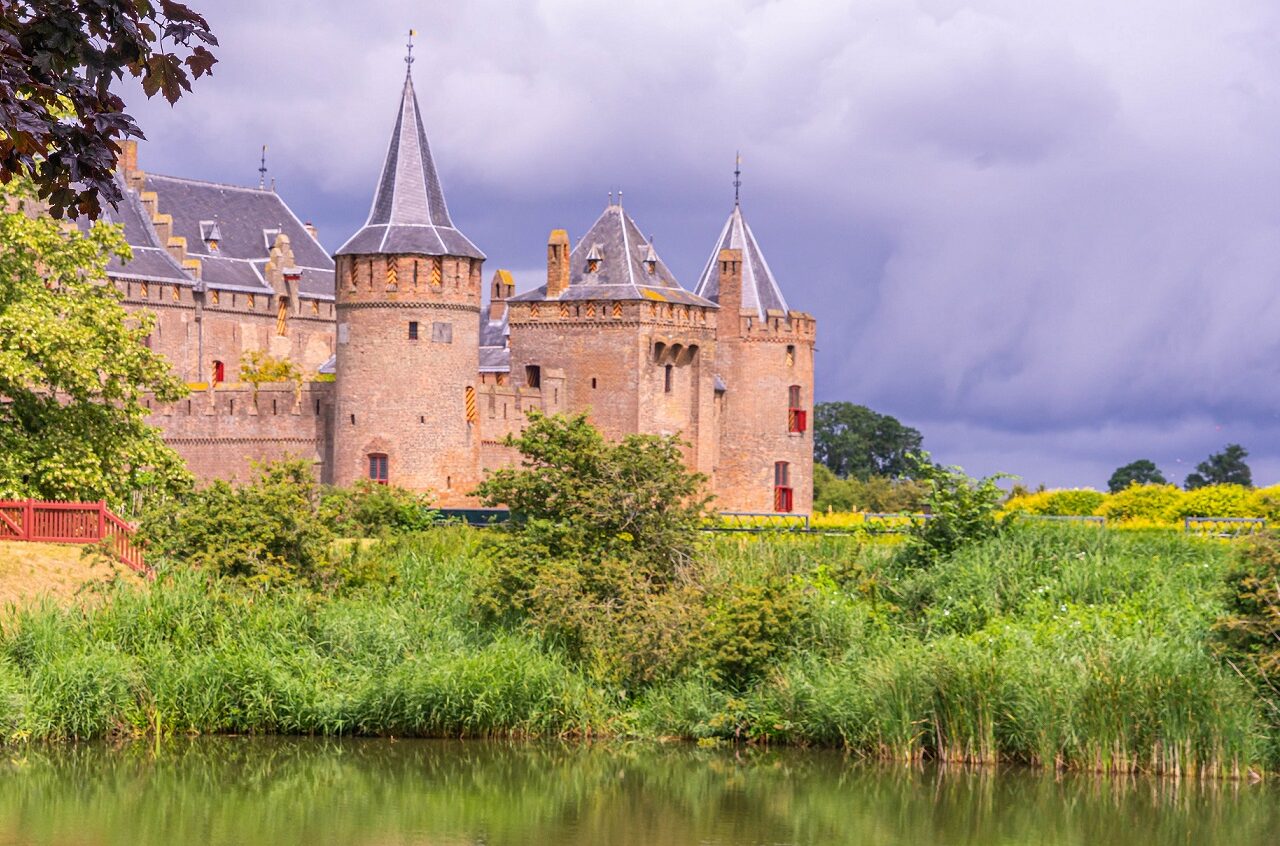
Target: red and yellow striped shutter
x: 473, y: 415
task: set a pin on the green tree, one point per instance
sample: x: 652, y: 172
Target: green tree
x: 59, y: 118
x: 599, y: 556
x: 855, y: 442
x: 74, y: 369
x: 962, y: 511
x: 1140, y: 472
x: 1222, y: 468
x: 259, y: 368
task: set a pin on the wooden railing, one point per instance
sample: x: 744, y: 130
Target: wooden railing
x: 69, y: 522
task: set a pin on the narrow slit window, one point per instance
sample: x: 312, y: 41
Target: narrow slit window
x: 668, y: 378
x: 413, y: 330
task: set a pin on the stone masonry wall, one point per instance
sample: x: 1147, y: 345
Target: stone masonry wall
x: 759, y: 361
x: 405, y: 397
x: 221, y: 432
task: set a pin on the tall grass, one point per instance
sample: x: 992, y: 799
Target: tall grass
x: 1055, y: 646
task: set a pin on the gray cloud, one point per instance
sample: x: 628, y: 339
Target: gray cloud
x: 1047, y: 234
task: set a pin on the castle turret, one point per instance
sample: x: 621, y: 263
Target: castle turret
x: 636, y: 348
x: 764, y: 365
x: 408, y: 303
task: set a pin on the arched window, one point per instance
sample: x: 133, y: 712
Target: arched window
x: 378, y: 467
x: 667, y: 378
x: 219, y: 373
x: 782, y: 500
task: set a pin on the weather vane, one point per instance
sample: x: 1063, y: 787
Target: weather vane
x: 737, y: 176
x: 262, y: 169
x: 408, y: 58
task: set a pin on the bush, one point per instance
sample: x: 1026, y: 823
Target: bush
x: 1141, y: 502
x: 599, y: 555
x: 369, y: 509
x: 1082, y: 502
x: 1249, y: 633
x: 877, y: 494
x: 962, y: 511
x: 265, y: 532
x: 1213, y: 501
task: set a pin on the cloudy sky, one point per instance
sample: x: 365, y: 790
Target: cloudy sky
x: 1045, y: 234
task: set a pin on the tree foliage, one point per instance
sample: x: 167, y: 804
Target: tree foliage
x: 59, y: 118
x: 74, y: 369
x: 1249, y: 633
x: 962, y: 511
x: 855, y: 442
x: 875, y: 494
x: 1140, y: 472
x: 599, y: 556
x: 279, y: 529
x: 258, y: 368
x: 1222, y: 468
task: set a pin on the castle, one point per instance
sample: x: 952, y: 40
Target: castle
x: 413, y: 381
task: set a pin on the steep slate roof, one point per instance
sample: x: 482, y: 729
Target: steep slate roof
x: 151, y: 262
x: 623, y: 272
x: 495, y: 355
x: 409, y: 214
x: 247, y: 219
x: 760, y: 291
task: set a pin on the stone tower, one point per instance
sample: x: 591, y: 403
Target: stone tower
x: 764, y: 358
x: 408, y: 304
x: 636, y: 349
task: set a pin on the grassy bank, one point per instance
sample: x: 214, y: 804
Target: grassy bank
x: 1052, y: 645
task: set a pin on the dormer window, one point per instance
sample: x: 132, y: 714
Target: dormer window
x: 269, y: 238
x: 210, y: 234
x: 651, y: 260
x: 594, y: 258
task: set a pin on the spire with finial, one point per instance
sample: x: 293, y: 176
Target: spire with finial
x: 262, y: 169
x: 737, y: 175
x: 408, y: 56
x: 409, y: 215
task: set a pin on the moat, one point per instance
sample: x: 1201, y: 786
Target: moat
x: 269, y: 791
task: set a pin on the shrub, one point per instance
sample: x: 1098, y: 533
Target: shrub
x: 1141, y: 502
x: 264, y: 532
x: 1213, y: 501
x: 963, y: 511
x: 1249, y: 633
x: 748, y: 627
x: 368, y: 509
x: 599, y: 555
x: 1082, y: 502
x: 877, y: 494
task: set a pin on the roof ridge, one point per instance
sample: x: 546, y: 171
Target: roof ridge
x: 266, y: 191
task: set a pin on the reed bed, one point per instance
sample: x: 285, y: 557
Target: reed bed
x: 1053, y: 646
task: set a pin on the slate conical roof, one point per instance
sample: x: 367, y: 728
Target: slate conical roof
x: 614, y: 261
x: 409, y: 214
x: 760, y: 291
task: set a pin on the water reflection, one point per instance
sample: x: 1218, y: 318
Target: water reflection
x: 255, y: 791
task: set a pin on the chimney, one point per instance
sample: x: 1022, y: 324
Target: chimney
x: 502, y: 288
x: 730, y: 296
x: 557, y: 263
x: 311, y: 230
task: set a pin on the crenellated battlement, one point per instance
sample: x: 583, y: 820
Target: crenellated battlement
x: 410, y: 279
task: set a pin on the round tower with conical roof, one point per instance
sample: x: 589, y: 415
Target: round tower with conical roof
x: 764, y: 369
x: 408, y: 300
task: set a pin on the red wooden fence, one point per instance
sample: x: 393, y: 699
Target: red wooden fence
x: 68, y: 522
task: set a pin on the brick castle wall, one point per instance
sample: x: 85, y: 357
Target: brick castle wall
x: 221, y: 431
x: 401, y: 396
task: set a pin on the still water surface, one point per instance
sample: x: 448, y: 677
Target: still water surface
x: 254, y: 791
